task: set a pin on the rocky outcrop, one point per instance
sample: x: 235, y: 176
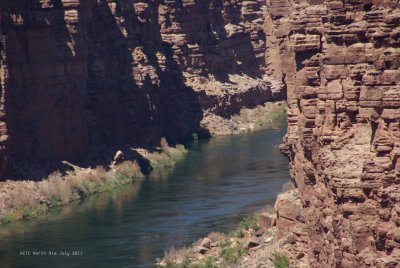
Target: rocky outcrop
x: 215, y: 37
x: 291, y: 227
x: 81, y: 79
x: 340, y: 63
x: 79, y: 75
x: 220, y: 47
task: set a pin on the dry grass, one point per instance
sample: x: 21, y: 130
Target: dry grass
x: 64, y: 191
x: 216, y: 236
x: 97, y: 175
x: 61, y: 189
x: 22, y: 197
x: 57, y: 188
x: 31, y: 199
x: 129, y: 168
x: 182, y: 255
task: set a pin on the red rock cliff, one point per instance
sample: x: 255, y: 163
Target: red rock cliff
x: 340, y: 63
x: 77, y: 76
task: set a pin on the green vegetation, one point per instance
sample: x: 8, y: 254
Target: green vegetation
x: 166, y: 156
x: 7, y: 218
x: 270, y: 116
x: 183, y: 258
x: 280, y: 260
x: 238, y: 233
x: 231, y: 253
x: 230, y: 249
x: 34, y: 212
x: 60, y: 189
x: 249, y: 222
x: 209, y: 262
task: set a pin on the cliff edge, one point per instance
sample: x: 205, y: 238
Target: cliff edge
x: 340, y: 63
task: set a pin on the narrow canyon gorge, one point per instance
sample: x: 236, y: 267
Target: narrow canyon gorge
x: 86, y: 78
x: 83, y: 79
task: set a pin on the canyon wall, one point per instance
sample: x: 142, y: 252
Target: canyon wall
x: 82, y: 79
x: 340, y: 61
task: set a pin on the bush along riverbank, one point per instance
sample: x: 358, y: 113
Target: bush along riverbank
x: 226, y: 250
x: 22, y: 200
x: 267, y: 239
x: 266, y: 115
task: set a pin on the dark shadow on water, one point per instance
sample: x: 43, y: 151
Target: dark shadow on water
x: 211, y: 189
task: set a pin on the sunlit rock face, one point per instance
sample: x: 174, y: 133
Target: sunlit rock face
x: 340, y: 63
x: 84, y: 78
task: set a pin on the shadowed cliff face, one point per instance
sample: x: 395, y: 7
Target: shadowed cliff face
x: 215, y: 36
x: 83, y: 75
x: 340, y: 63
x: 82, y: 79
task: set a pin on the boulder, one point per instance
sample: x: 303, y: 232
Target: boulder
x: 251, y: 243
x: 266, y: 220
x: 206, y: 243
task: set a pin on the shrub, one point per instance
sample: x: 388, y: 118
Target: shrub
x: 210, y: 262
x: 76, y: 184
x: 280, y: 260
x: 57, y: 188
x: 238, y: 233
x: 32, y: 212
x: 49, y: 187
x: 6, y: 218
x: 249, y: 222
x: 161, y: 159
x: 231, y: 253
x: 179, y: 258
x: 98, y: 175
x: 180, y: 148
x: 64, y: 191
x: 129, y: 168
x: 22, y: 197
x: 216, y: 236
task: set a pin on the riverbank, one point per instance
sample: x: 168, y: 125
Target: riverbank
x: 264, y: 239
x: 26, y: 199
x: 246, y: 120
x: 23, y: 200
x: 219, y: 181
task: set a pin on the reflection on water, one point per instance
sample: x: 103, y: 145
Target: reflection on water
x: 221, y: 180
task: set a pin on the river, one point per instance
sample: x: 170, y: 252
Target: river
x: 220, y: 180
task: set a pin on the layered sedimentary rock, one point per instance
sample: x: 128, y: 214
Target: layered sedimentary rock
x: 212, y: 37
x: 291, y: 227
x: 340, y: 63
x: 220, y: 47
x: 81, y: 76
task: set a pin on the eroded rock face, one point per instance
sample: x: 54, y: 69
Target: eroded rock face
x: 213, y: 37
x: 220, y: 47
x: 77, y: 75
x: 83, y: 74
x: 340, y: 63
x: 291, y: 225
